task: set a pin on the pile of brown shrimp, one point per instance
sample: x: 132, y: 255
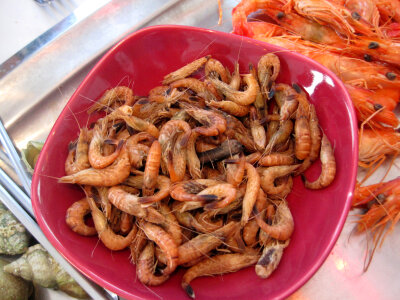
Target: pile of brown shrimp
x: 196, y: 174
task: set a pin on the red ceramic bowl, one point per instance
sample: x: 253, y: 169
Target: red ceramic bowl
x: 141, y: 60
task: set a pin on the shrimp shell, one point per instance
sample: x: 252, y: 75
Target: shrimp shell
x: 246, y: 97
x: 230, y: 107
x: 328, y: 167
x: 109, y: 176
x: 119, y: 93
x: 283, y: 225
x: 96, y: 158
x: 252, y: 189
x: 219, y: 264
x: 204, y: 243
x: 130, y: 203
x: 185, y: 70
x: 145, y: 267
x: 270, y: 174
x: 302, y: 133
x: 78, y: 159
x: 111, y: 240
x: 165, y: 242
x: 270, y: 258
x: 268, y: 69
x: 251, y: 228
x: 214, y: 68
x: 151, y: 169
x: 75, y: 218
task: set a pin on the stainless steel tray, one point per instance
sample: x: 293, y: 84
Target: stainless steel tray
x: 36, y: 83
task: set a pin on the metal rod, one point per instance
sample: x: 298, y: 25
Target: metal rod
x: 15, y: 159
x: 93, y: 290
x: 16, y: 192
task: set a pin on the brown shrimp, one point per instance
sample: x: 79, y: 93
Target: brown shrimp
x: 286, y: 96
x: 235, y: 243
x: 163, y: 185
x: 187, y: 220
x: 159, y: 94
x: 234, y: 84
x: 96, y: 158
x: 250, y: 230
x: 270, y: 174
x: 236, y: 130
x: 235, y: 172
x: 214, y: 123
x: 103, y: 200
x: 187, y: 205
x: 205, y: 219
x: 204, y: 243
x: 276, y: 159
x: 78, y: 159
x: 138, y: 152
x: 171, y: 223
x: 145, y: 267
x: 137, y: 245
x: 185, y: 70
x: 195, y: 85
x: 168, y: 135
x: 270, y: 258
x: 126, y: 222
x: 252, y: 189
x: 316, y: 136
x: 130, y: 204
x: 260, y: 104
x: 273, y: 125
x: 284, y: 186
x: 125, y: 113
x: 257, y: 130
x: 118, y: 94
x: 151, y: 169
x: 328, y: 167
x: 165, y: 242
x: 280, y: 136
x: 268, y: 69
x: 192, y: 160
x: 111, y: 240
x: 230, y: 107
x: 188, y: 190
x: 214, y: 68
x: 219, y: 264
x: 75, y: 218
x: 224, y: 192
x: 282, y: 226
x: 109, y: 176
x: 302, y: 132
x: 176, y: 163
x: 246, y: 97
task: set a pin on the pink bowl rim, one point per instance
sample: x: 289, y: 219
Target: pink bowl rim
x: 352, y: 170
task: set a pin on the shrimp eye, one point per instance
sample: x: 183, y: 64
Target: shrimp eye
x: 391, y: 75
x: 296, y: 87
x: 377, y: 106
x: 367, y: 57
x: 280, y: 15
x: 381, y: 197
x: 373, y: 45
x: 271, y: 94
x: 355, y: 15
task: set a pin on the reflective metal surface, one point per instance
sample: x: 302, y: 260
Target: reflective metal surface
x: 33, y: 93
